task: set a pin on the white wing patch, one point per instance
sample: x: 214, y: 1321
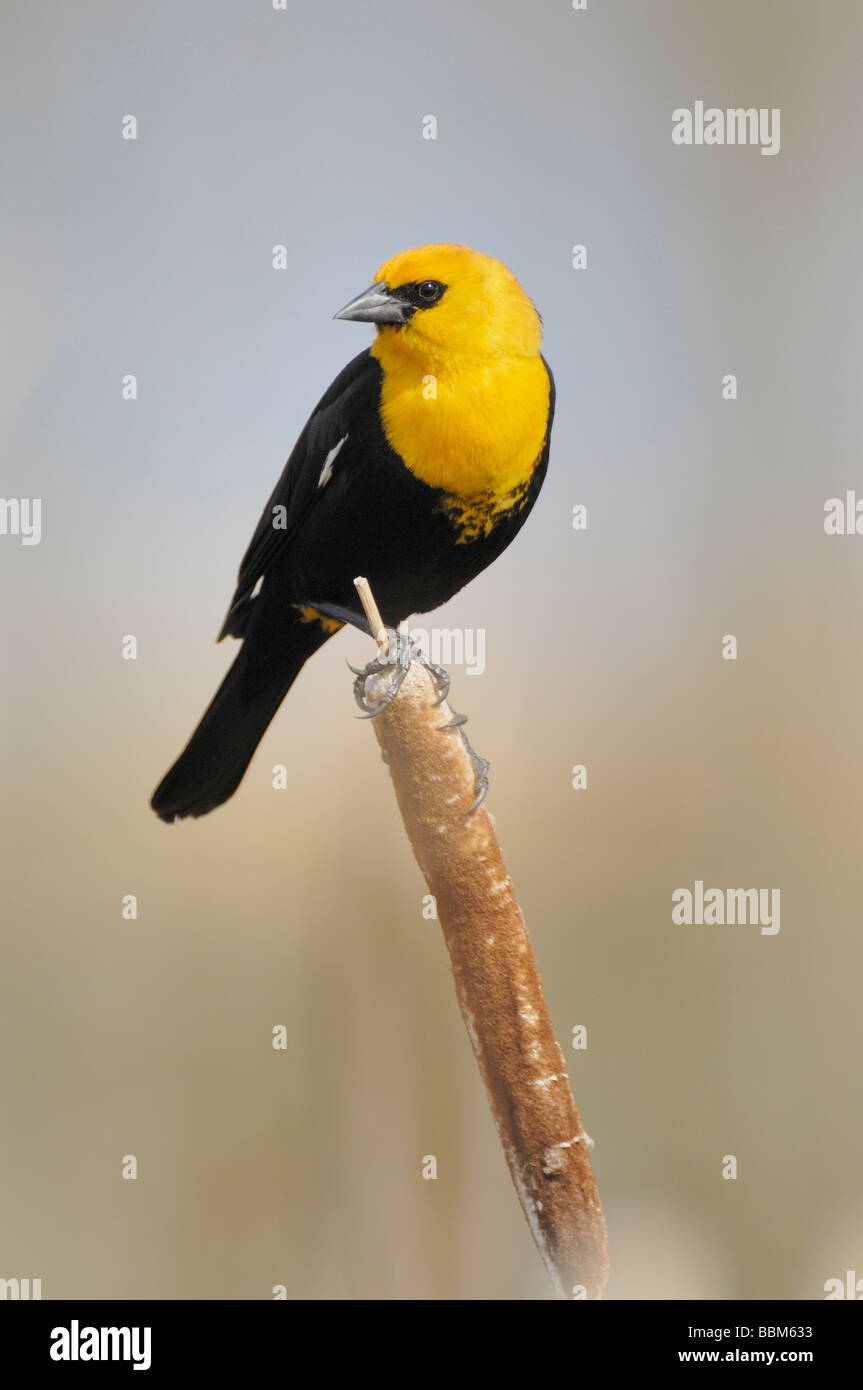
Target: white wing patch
x: 327, y: 470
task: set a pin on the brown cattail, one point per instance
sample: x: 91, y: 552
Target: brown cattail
x: 496, y: 976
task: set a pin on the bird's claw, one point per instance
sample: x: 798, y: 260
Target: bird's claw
x: 480, y: 765
x: 440, y: 678
x: 401, y: 652
x: 480, y: 774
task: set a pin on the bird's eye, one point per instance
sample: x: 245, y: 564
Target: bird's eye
x: 418, y: 294
x: 429, y: 291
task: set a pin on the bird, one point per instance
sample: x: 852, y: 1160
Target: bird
x: 416, y: 469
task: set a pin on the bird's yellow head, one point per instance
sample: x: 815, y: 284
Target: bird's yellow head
x: 448, y: 302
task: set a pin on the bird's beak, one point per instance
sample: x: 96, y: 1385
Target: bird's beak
x: 377, y: 304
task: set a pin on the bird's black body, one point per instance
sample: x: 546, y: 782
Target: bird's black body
x: 365, y: 513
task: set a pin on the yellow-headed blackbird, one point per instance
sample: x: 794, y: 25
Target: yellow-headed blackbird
x: 416, y: 469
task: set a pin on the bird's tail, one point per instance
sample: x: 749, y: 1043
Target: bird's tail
x: 212, y: 765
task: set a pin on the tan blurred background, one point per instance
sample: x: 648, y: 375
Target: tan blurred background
x: 304, y: 907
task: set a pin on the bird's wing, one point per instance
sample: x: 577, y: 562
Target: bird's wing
x: 313, y: 460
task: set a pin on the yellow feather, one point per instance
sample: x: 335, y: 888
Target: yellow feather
x: 311, y: 615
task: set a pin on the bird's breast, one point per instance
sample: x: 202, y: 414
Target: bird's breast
x: 475, y: 432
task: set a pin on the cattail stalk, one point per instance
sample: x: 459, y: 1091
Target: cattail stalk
x: 496, y: 977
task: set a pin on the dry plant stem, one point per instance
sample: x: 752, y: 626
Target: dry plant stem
x: 498, y: 985
x: 372, y: 612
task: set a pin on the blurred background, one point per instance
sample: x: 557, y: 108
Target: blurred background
x: 303, y: 907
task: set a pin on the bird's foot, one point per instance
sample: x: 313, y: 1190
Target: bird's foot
x: 395, y: 665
